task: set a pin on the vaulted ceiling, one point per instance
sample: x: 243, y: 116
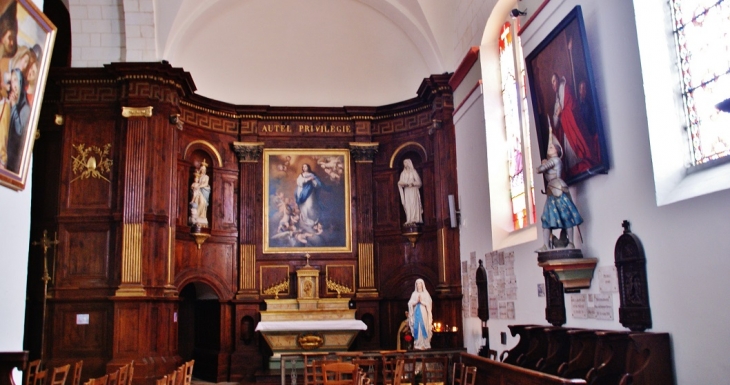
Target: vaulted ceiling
x: 307, y: 53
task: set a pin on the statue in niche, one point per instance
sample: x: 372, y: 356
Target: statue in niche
x: 560, y: 211
x: 420, y: 318
x: 409, y: 186
x: 201, y: 197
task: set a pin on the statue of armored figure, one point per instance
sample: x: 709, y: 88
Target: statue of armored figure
x: 560, y: 211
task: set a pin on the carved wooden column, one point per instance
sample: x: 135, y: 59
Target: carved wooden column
x: 249, y: 154
x: 363, y: 154
x: 133, y: 206
x: 444, y: 143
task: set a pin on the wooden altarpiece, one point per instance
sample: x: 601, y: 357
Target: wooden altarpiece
x: 129, y: 276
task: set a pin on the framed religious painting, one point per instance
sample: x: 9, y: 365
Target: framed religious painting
x: 26, y: 42
x: 307, y: 201
x: 564, y: 100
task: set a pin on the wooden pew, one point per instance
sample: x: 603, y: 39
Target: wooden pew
x: 495, y: 372
x: 10, y: 361
x: 582, y: 353
x: 598, y: 357
x: 514, y: 355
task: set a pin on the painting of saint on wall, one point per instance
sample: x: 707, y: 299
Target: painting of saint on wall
x: 564, y: 100
x: 26, y: 41
x: 306, y: 201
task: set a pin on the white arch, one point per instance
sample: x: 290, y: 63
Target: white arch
x: 320, y: 52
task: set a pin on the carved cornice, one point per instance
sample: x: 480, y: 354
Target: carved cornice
x: 248, y: 152
x: 363, y: 152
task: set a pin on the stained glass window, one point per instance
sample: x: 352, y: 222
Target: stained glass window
x: 702, y: 35
x: 514, y: 100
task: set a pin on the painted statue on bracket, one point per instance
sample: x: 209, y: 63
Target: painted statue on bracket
x: 201, y: 197
x: 409, y: 186
x: 420, y: 318
x: 560, y: 211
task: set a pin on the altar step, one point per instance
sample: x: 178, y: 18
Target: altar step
x: 273, y: 377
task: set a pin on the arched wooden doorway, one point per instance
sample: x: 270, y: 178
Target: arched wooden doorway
x: 199, y: 329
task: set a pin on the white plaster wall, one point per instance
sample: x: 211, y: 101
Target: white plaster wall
x: 15, y: 240
x: 686, y: 243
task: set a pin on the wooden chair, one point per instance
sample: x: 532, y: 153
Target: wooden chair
x: 408, y: 376
x: 76, y: 380
x: 315, y: 374
x: 339, y: 373
x: 371, y: 367
x: 31, y: 370
x: 389, y: 362
x: 171, y: 378
x: 59, y: 375
x: 180, y: 375
x: 470, y: 377
x: 130, y: 374
x: 97, y: 381
x: 123, y: 373
x: 161, y: 381
x: 435, y: 370
x: 457, y: 374
x: 40, y: 377
x: 188, y: 379
x: 113, y: 378
x: 347, y: 356
x: 398, y: 372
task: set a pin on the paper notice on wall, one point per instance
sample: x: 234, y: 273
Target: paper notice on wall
x: 507, y: 310
x: 604, y: 306
x: 579, y: 306
x: 502, y: 284
x: 592, y: 306
x: 607, y: 279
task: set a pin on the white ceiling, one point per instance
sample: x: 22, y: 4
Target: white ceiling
x: 306, y: 53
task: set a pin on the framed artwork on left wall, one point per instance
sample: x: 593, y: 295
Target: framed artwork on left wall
x: 26, y: 43
x: 307, y: 201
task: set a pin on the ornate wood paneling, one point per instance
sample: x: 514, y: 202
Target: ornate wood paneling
x: 84, y: 257
x: 386, y: 207
x: 84, y: 192
x: 126, y: 250
x: 225, y: 214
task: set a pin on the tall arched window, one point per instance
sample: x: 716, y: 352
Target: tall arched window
x: 517, y: 127
x: 702, y: 35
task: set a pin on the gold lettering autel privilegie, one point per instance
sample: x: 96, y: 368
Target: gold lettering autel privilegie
x: 308, y: 128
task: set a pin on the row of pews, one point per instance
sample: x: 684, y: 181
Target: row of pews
x: 558, y: 355
x: 183, y: 375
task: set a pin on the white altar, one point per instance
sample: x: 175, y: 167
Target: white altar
x: 308, y: 323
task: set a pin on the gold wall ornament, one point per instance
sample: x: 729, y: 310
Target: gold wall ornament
x: 137, y: 112
x: 276, y: 289
x: 85, y: 164
x: 332, y: 285
x: 310, y: 341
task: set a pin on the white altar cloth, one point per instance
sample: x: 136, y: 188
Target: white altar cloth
x: 287, y: 326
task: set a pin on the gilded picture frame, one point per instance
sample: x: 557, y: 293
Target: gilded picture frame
x: 306, y: 201
x: 564, y: 98
x: 26, y: 44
